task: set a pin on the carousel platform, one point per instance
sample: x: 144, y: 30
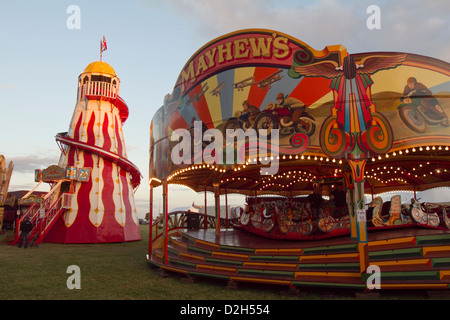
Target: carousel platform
x: 408, y: 258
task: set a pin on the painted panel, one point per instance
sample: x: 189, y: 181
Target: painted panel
x: 333, y: 104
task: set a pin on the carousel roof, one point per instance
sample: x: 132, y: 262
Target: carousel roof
x: 411, y: 169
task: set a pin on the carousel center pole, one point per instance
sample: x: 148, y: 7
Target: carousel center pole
x: 358, y: 213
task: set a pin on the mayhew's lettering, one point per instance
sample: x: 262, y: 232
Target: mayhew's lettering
x: 267, y: 47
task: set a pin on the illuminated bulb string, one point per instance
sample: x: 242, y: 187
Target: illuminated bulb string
x: 321, y: 158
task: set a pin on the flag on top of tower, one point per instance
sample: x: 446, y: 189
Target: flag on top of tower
x: 103, y: 46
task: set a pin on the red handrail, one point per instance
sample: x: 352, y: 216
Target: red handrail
x: 32, y: 213
x: 50, y: 217
x: 52, y: 210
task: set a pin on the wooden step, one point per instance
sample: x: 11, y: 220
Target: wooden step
x: 344, y: 248
x: 396, y: 253
x: 414, y: 286
x: 342, y: 266
x: 404, y: 265
x: 440, y: 262
x: 436, y: 251
x: 433, y: 239
x: 323, y: 258
x: 391, y: 244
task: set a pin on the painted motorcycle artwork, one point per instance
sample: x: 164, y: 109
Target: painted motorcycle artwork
x: 420, y: 108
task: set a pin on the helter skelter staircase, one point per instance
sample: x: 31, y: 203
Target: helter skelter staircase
x: 43, y: 215
x: 419, y: 261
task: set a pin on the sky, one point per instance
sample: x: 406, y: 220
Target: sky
x: 44, y: 48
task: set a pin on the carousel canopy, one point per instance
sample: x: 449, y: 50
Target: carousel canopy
x: 311, y: 113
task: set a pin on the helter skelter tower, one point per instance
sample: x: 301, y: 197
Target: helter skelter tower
x: 94, y: 156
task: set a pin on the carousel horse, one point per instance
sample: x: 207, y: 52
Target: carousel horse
x: 396, y: 217
x: 237, y: 212
x: 446, y: 218
x: 377, y: 205
x: 256, y: 219
x: 422, y: 217
x: 245, y: 216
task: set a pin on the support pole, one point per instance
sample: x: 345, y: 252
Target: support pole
x: 150, y: 235
x: 166, y: 220
x: 206, y: 212
x: 359, y: 212
x: 217, y: 206
x: 226, y: 209
x: 350, y: 201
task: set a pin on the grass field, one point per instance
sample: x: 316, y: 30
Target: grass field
x: 108, y: 272
x: 120, y: 272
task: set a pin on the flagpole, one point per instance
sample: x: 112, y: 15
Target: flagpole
x: 101, y: 51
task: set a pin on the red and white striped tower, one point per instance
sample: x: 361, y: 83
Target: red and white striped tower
x: 102, y: 207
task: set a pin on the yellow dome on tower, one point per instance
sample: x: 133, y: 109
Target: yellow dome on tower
x: 100, y: 67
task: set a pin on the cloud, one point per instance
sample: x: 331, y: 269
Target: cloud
x: 8, y: 86
x: 24, y: 186
x: 213, y: 18
x: 406, y: 26
x: 416, y: 27
x: 27, y: 164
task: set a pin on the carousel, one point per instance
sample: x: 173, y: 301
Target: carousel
x: 312, y: 139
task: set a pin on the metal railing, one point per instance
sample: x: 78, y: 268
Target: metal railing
x: 41, y: 225
x: 50, y: 216
x: 179, y: 220
x: 98, y: 88
x: 33, y: 214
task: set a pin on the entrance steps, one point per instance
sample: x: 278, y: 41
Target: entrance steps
x: 415, y: 262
